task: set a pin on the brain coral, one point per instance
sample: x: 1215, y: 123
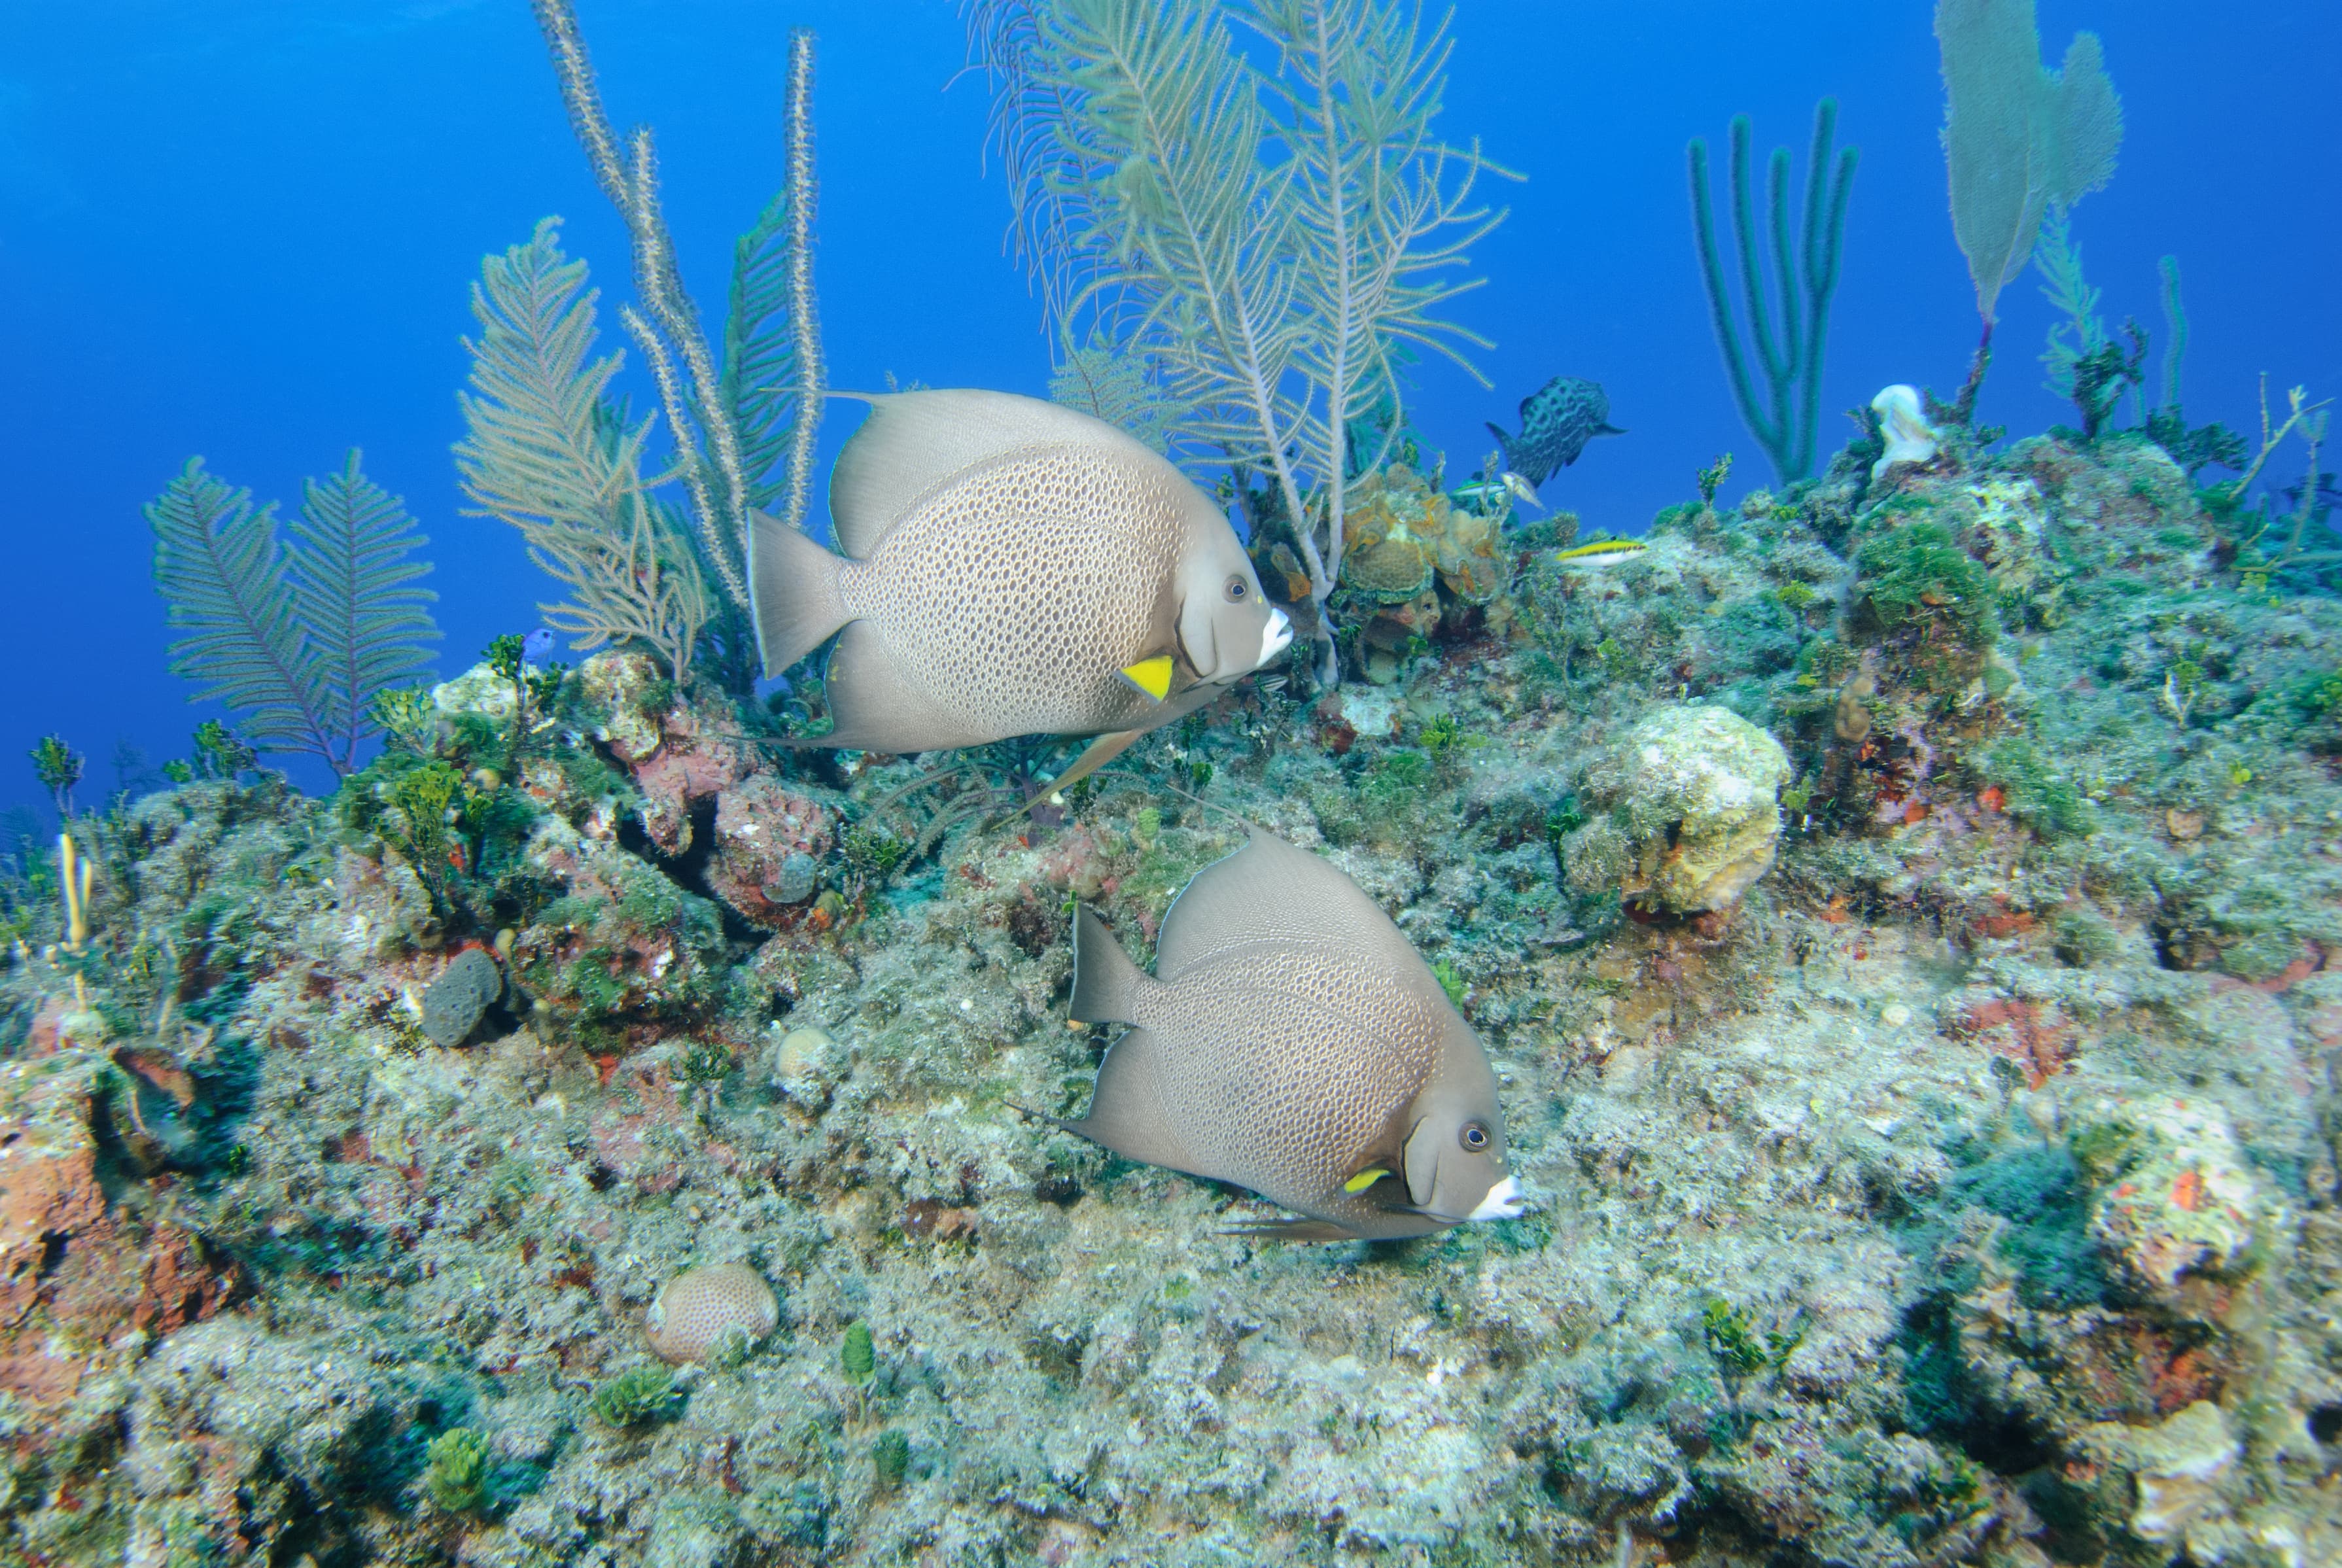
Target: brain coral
x: 703, y: 1308
x: 1692, y: 801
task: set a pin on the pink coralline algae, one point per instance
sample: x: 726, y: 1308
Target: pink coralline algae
x: 690, y: 767
x: 769, y: 844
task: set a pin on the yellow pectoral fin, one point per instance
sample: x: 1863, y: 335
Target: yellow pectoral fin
x: 1152, y: 676
x: 1363, y: 1180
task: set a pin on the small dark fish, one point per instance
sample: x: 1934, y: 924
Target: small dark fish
x: 1557, y: 422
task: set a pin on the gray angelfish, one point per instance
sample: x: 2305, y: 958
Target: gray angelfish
x: 1011, y: 568
x: 1557, y: 422
x: 1291, y: 1041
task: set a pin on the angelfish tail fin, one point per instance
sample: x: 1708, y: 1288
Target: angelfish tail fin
x: 1107, y: 984
x: 792, y: 592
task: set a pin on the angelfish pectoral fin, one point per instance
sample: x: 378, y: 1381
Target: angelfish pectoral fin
x: 1364, y: 1179
x: 1152, y: 676
x: 1095, y: 755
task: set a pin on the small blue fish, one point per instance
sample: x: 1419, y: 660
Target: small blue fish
x: 1557, y: 422
x: 537, y: 647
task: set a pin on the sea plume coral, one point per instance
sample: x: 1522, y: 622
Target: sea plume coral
x: 1271, y: 241
x: 743, y: 431
x: 298, y: 636
x: 551, y: 451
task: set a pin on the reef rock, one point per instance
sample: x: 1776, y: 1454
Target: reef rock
x: 625, y: 944
x: 2185, y: 1201
x: 478, y: 692
x: 1692, y: 796
x: 626, y: 694
x: 2175, y: 1466
x: 77, y: 1273
x: 769, y: 845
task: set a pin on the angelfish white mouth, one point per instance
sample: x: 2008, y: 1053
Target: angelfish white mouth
x: 1274, y: 636
x: 1502, y: 1203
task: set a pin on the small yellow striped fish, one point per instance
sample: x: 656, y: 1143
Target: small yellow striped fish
x: 1604, y: 550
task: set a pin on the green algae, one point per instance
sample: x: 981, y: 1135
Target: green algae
x: 890, y: 1459
x: 456, y: 1474
x: 857, y: 1356
x: 2035, y: 791
x: 638, y: 1396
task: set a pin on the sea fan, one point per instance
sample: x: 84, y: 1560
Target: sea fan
x: 297, y: 638
x: 2017, y: 139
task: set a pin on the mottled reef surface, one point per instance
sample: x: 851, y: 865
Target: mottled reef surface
x: 1963, y: 1192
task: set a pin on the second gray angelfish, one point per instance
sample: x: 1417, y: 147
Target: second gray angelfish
x: 1291, y: 1041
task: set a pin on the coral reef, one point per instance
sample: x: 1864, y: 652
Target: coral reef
x: 1968, y: 1194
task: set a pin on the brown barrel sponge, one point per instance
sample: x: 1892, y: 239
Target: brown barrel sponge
x: 700, y: 1309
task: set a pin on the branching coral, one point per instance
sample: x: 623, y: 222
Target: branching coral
x: 1787, y: 356
x: 301, y: 637
x: 1272, y: 241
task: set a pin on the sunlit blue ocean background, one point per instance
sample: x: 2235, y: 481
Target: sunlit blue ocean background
x: 246, y: 229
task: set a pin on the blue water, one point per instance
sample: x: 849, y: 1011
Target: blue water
x: 246, y: 229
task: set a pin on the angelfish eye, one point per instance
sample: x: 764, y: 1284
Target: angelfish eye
x: 1474, y: 1138
x: 1237, y: 589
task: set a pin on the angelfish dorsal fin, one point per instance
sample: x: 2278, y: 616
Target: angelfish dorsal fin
x: 1152, y: 676
x: 915, y: 442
